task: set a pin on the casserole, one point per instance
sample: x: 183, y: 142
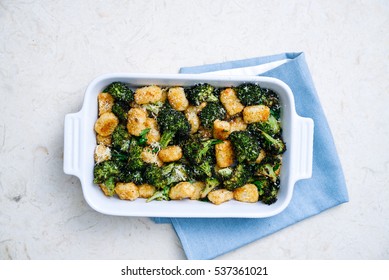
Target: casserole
x: 80, y: 141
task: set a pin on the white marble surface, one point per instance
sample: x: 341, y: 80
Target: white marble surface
x: 51, y: 50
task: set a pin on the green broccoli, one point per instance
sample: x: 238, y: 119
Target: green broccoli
x: 110, y: 184
x: 174, y: 173
x: 245, y: 145
x: 272, y: 145
x: 271, y: 126
x: 142, y: 138
x: 196, y: 150
x: 267, y: 190
x: 201, y: 155
x: 172, y: 123
x: 225, y: 173
x: 120, y: 109
x: 210, y: 184
x: 271, y: 100
x: 121, y: 138
x: 206, y: 166
x: 190, y: 148
x: 135, y: 177
x: 120, y: 92
x: 239, y: 177
x: 269, y: 168
x: 107, y: 173
x: 153, y: 108
x: 162, y: 194
x: 135, y: 161
x: 201, y: 93
x: 153, y: 176
x: 211, y: 112
x: 201, y: 171
x: 249, y: 94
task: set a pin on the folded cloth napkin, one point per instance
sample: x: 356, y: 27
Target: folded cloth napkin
x: 207, y: 238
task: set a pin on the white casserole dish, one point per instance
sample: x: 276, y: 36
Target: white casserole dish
x: 80, y: 142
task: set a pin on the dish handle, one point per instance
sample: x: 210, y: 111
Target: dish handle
x: 71, y: 160
x: 305, y: 129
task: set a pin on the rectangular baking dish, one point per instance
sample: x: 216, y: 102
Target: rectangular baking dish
x: 80, y: 142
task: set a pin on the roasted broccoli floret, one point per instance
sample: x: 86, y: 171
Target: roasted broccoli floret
x: 190, y: 148
x: 153, y: 108
x: 120, y: 92
x: 225, y: 173
x: 267, y: 171
x: 153, y: 176
x: 196, y: 150
x: 273, y: 145
x: 121, y: 138
x: 271, y: 126
x: 245, y: 145
x: 206, y: 166
x: 142, y: 138
x: 201, y: 155
x: 201, y: 171
x: 120, y: 110
x: 249, y: 94
x: 206, y: 147
x: 239, y: 177
x: 211, y: 112
x: 267, y: 190
x: 105, y: 170
x: 175, y: 172
x: 270, y: 168
x: 210, y: 184
x: 135, y: 161
x: 201, y: 93
x: 135, y: 177
x: 271, y: 100
x: 162, y: 194
x: 107, y: 173
x: 172, y: 123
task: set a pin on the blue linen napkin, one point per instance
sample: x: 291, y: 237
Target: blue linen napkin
x: 207, y: 238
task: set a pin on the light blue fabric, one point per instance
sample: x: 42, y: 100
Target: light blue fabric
x: 204, y: 238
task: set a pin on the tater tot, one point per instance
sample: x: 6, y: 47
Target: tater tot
x: 221, y: 129
x: 149, y: 156
x: 230, y: 101
x: 102, y: 153
x: 199, y: 186
x: 127, y: 191
x: 106, y: 124
x: 153, y: 135
x: 181, y: 190
x: 224, y: 154
x: 164, y: 95
x: 256, y: 113
x: 105, y: 140
x: 238, y: 124
x: 146, y: 190
x: 170, y: 153
x: 219, y: 196
x: 177, y: 98
x: 246, y: 193
x: 105, y: 101
x: 193, y: 118
x: 148, y: 94
x: 136, y: 121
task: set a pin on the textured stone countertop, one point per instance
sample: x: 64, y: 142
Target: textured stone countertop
x: 51, y: 50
